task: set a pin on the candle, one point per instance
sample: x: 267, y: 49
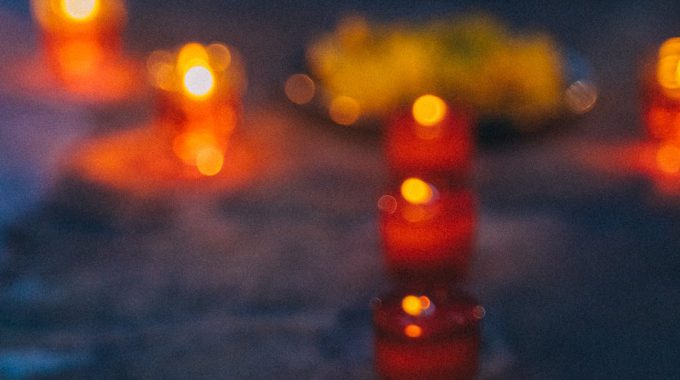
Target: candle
x: 661, y: 107
x: 428, y: 231
x: 431, y: 138
x: 433, y: 335
x: 81, y: 42
x: 199, y: 102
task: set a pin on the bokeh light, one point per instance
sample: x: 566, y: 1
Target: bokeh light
x: 388, y: 204
x: 668, y: 67
x: 415, y: 306
x: 413, y: 331
x: 199, y: 81
x: 209, y: 161
x: 581, y: 97
x: 80, y: 10
x: 300, y: 89
x: 668, y: 158
x: 344, y: 110
x: 220, y: 56
x: 429, y: 110
x: 416, y: 191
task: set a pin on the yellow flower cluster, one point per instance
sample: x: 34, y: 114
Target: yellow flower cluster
x: 474, y: 60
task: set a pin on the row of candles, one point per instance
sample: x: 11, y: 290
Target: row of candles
x: 197, y: 86
x: 424, y: 329
x: 427, y: 327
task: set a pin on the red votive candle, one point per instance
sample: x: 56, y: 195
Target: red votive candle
x: 427, y: 233
x: 431, y: 138
x: 427, y: 336
x: 661, y: 93
x: 198, y: 102
x: 81, y: 39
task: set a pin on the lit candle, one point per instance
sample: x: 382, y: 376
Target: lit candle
x: 427, y: 336
x: 430, y: 138
x: 81, y: 41
x: 661, y: 108
x: 199, y: 102
x: 427, y: 231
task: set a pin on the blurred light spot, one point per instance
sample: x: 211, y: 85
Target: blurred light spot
x: 414, y: 305
x: 429, y: 110
x: 300, y: 88
x: 192, y: 54
x: 413, y: 331
x: 353, y: 31
x: 220, y: 56
x: 188, y: 145
x: 479, y: 312
x: 417, y: 191
x: 668, y: 158
x: 161, y: 68
x: 581, y: 97
x: 388, y: 204
x: 209, y: 161
x: 80, y: 10
x: 344, y: 110
x: 668, y: 66
x: 199, y: 81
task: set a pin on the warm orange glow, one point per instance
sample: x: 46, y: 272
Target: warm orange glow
x: 199, y: 81
x: 413, y: 331
x: 79, y: 59
x: 161, y: 68
x: 414, y: 305
x: 80, y: 10
x: 429, y: 110
x: 416, y: 191
x: 300, y: 88
x: 220, y: 56
x: 344, y: 110
x: 188, y: 145
x: 209, y: 161
x: 668, y: 67
x: 668, y: 158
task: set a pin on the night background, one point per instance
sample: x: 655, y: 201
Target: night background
x: 272, y: 276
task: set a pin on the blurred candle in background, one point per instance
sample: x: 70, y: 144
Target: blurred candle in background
x: 81, y: 42
x: 431, y: 335
x: 661, y: 106
x: 199, y: 102
x: 428, y: 231
x: 661, y: 93
x: 430, y: 138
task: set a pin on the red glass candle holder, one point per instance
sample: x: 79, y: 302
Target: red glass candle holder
x: 428, y: 232
x: 430, y: 139
x: 81, y: 41
x: 661, y: 93
x: 427, y: 336
x: 198, y: 102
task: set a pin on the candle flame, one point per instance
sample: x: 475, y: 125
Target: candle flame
x: 199, y: 81
x: 429, y: 110
x: 416, y: 191
x: 413, y: 331
x: 80, y: 10
x: 668, y: 66
x: 414, y: 305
